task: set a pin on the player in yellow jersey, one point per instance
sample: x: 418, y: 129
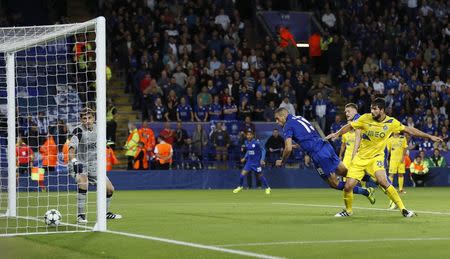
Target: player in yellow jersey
x: 376, y: 128
x: 348, y: 143
x: 396, y: 146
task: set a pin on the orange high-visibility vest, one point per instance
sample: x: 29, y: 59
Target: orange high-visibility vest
x: 164, y: 149
x: 49, y: 152
x: 65, y: 151
x: 110, y: 159
x: 147, y: 136
x: 140, y: 163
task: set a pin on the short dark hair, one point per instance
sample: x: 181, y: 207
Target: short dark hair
x: 379, y: 102
x: 85, y: 111
x: 352, y: 105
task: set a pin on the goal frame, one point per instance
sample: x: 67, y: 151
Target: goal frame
x: 10, y: 51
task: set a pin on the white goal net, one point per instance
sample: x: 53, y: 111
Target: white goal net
x: 48, y: 75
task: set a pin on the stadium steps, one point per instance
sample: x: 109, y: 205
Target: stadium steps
x: 123, y: 102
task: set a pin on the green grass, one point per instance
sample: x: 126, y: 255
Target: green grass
x: 218, y: 217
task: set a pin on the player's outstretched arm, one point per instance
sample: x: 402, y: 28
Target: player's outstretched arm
x: 418, y: 133
x: 286, y: 152
x: 357, y: 142
x: 342, y: 131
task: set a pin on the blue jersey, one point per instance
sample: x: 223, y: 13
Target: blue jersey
x: 231, y: 116
x: 184, y: 111
x: 201, y: 112
x: 254, y: 154
x: 303, y: 133
x: 321, y: 152
x: 215, y: 107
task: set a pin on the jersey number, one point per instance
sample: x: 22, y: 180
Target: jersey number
x: 304, y: 123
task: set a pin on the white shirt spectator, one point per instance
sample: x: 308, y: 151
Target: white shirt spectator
x: 329, y: 19
x: 223, y: 20
x: 288, y: 106
x: 425, y: 10
x: 214, y: 64
x: 378, y: 87
x: 412, y: 3
x: 173, y: 46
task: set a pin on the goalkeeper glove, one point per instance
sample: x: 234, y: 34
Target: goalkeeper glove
x: 77, y: 167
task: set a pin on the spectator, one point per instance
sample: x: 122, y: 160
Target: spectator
x: 222, y: 19
x: 307, y: 110
x: 259, y: 107
x: 141, y: 157
x: 167, y: 134
x: 245, y: 109
x: 131, y: 144
x: 199, y: 140
x: 288, y: 105
x: 191, y: 159
x: 269, y: 112
x: 419, y: 172
x: 328, y: 18
x: 25, y: 158
x: 320, y: 109
x: 163, y: 155
x: 215, y: 110
x: 111, y: 158
x: 159, y: 112
x: 111, y: 124
x: 201, y: 111
x: 274, y: 146
x: 230, y: 110
x: 147, y: 136
x: 172, y: 106
x: 184, y: 111
x: 287, y: 42
x: 49, y: 154
x: 221, y: 141
x: 436, y: 160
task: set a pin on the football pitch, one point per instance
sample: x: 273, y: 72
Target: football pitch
x: 289, y: 223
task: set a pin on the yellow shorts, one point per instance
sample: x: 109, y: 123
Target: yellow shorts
x: 347, y: 161
x: 396, y: 167
x: 359, y: 167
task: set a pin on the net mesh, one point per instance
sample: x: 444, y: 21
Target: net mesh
x: 55, y: 77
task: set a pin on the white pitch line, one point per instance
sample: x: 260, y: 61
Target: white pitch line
x: 361, y: 208
x: 200, y: 246
x: 313, y: 242
x: 165, y: 240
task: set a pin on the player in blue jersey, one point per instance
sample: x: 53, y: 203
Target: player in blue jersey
x: 327, y: 163
x: 254, y: 160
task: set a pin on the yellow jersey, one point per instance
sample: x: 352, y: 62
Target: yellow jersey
x: 396, y: 146
x: 374, y: 134
x: 349, y: 140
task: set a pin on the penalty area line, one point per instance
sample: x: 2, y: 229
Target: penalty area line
x: 360, y: 208
x: 195, y: 245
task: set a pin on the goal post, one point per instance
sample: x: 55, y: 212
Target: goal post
x: 48, y: 74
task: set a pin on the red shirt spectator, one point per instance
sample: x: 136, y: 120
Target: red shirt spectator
x: 314, y: 45
x: 167, y: 134
x: 286, y: 38
x: 145, y: 83
x: 24, y: 154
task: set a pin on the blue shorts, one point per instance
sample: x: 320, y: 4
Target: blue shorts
x: 325, y: 160
x: 252, y: 168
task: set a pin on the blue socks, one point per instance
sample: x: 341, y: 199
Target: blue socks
x: 356, y: 189
x: 241, y: 180
x: 264, y: 181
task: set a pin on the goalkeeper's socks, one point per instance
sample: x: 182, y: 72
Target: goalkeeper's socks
x: 241, y: 180
x: 264, y: 181
x: 81, y: 201
x: 108, y: 201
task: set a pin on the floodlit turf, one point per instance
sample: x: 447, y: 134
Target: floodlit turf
x: 287, y: 223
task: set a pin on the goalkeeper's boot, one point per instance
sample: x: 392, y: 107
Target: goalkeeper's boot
x: 81, y: 219
x: 371, y: 196
x: 111, y: 215
x: 392, y: 205
x: 238, y: 189
x: 268, y: 190
x: 408, y: 214
x: 343, y: 213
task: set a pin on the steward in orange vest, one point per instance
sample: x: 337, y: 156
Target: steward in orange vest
x: 110, y: 157
x: 163, y: 154
x: 49, y: 153
x: 147, y: 136
x: 141, y: 158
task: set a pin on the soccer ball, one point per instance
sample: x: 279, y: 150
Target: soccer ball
x: 52, y: 218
